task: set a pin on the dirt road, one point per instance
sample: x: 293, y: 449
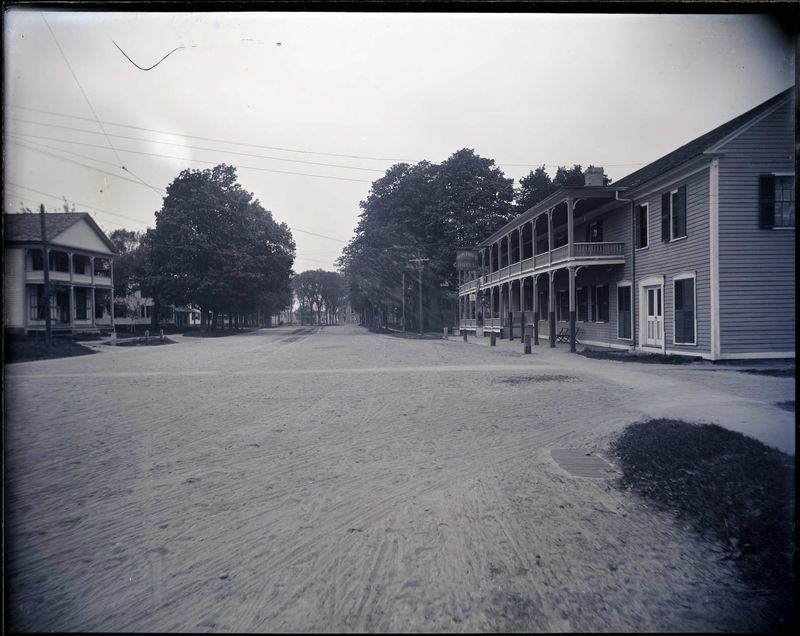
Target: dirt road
x: 337, y: 480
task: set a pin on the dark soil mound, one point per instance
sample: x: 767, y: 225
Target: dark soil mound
x: 729, y: 487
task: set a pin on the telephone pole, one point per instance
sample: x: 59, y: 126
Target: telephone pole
x: 419, y: 263
x: 48, y: 334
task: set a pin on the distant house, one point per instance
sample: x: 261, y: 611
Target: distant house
x: 693, y: 254
x: 80, y: 260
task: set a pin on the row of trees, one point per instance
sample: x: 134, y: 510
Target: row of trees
x: 213, y: 246
x: 319, y: 291
x: 421, y: 213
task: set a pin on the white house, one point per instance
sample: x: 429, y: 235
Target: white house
x: 80, y: 259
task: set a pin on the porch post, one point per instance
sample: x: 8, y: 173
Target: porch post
x: 522, y: 294
x: 510, y: 311
x: 551, y: 313
x: 572, y: 309
x: 550, y: 236
x: 533, y: 239
x: 535, y: 312
x: 570, y: 229
x: 521, y: 246
x: 94, y: 305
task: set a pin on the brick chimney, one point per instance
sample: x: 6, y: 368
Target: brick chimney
x: 594, y: 176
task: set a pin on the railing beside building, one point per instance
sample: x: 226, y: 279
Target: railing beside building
x: 542, y: 261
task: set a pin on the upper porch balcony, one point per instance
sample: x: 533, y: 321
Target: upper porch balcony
x: 584, y: 254
x: 67, y: 266
x: 544, y: 238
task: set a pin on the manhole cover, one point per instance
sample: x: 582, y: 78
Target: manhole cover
x: 582, y: 464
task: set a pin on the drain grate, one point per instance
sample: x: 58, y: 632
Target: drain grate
x: 579, y: 463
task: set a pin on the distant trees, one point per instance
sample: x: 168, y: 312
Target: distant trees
x: 318, y: 290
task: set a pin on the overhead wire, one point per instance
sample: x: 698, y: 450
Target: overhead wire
x: 91, y: 107
x: 287, y: 149
x: 179, y: 145
x: 203, y: 161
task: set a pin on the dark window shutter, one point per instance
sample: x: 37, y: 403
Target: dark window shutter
x: 766, y: 198
x: 665, y: 217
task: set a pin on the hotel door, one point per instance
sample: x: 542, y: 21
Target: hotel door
x: 654, y: 336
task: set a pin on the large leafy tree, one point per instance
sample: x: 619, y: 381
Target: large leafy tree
x: 217, y: 247
x: 422, y: 211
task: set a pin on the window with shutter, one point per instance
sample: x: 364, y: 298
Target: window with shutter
x: 665, y: 205
x: 766, y: 196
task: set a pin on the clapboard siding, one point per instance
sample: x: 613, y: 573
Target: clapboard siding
x: 616, y: 228
x: 757, y: 267
x: 686, y: 255
x: 14, y: 288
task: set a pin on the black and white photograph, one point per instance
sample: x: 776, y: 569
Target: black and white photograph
x: 399, y: 317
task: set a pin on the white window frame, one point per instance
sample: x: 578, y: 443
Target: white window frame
x: 685, y: 276
x: 672, y: 238
x: 646, y: 205
x: 625, y: 283
x: 783, y: 228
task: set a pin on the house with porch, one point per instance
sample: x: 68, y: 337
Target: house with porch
x: 80, y: 262
x: 693, y: 254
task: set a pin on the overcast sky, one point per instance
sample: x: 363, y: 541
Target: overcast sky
x: 360, y: 91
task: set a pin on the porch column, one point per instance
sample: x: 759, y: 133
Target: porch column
x: 550, y: 236
x: 535, y: 311
x: 551, y: 313
x: 521, y: 246
x: 91, y: 265
x: 94, y: 305
x: 570, y: 231
x: 71, y: 303
x: 522, y: 294
x: 533, y: 240
x: 572, y: 308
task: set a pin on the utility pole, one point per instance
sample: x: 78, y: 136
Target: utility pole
x: 48, y: 333
x: 403, y: 296
x: 419, y: 263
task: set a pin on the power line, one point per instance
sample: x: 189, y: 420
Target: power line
x: 224, y: 141
x: 284, y: 149
x: 86, y: 205
x: 110, y: 174
x: 60, y: 198
x: 211, y: 163
x: 169, y: 143
x: 88, y: 101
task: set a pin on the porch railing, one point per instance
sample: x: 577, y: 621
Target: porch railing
x: 599, y: 251
x: 589, y: 250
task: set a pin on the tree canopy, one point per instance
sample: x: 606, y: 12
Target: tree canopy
x: 215, y: 246
x: 423, y: 210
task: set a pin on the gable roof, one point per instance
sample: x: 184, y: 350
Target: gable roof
x: 696, y: 147
x: 26, y: 228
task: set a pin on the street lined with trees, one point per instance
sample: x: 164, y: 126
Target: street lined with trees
x: 415, y: 217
